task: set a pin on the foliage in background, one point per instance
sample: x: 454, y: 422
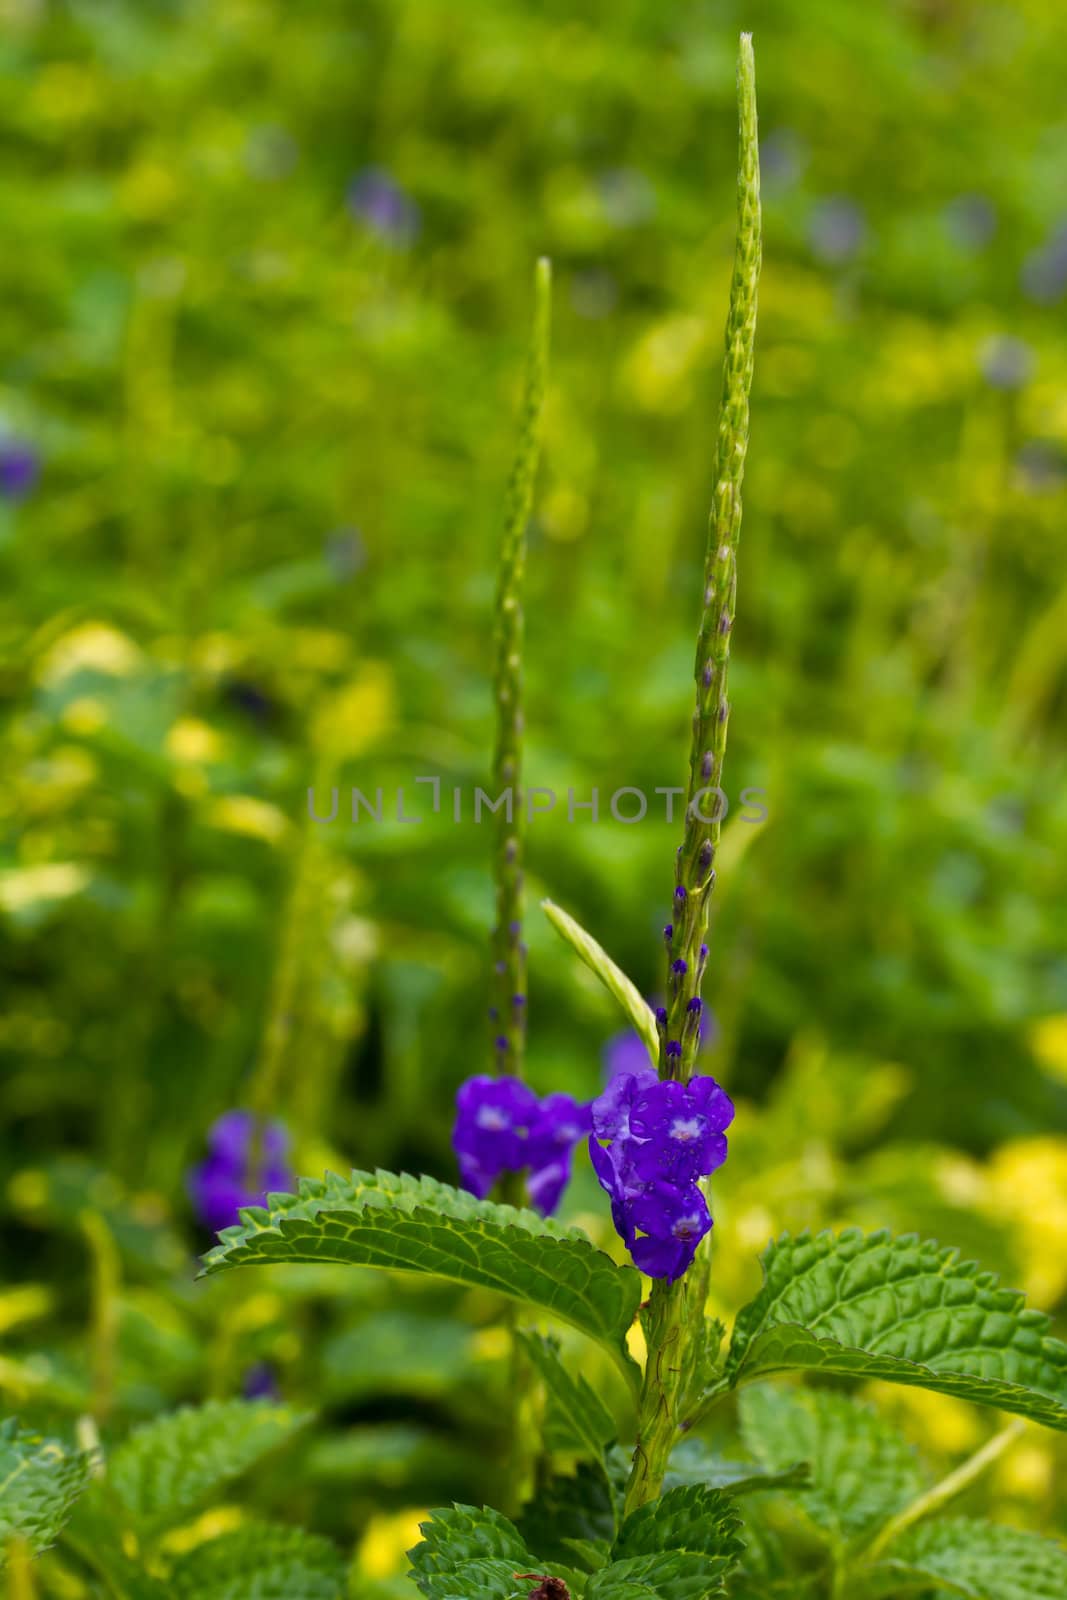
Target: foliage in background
x: 265, y: 282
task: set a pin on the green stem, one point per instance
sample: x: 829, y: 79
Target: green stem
x: 675, y: 1311
x: 20, y: 1584
x: 941, y: 1493
x: 508, y: 987
x: 669, y: 1319
x: 105, y: 1281
x: 695, y: 876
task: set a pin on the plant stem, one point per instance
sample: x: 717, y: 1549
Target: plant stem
x: 105, y: 1282
x: 949, y: 1487
x: 20, y: 1584
x: 507, y: 1013
x: 695, y: 876
x: 675, y: 1311
x: 670, y: 1319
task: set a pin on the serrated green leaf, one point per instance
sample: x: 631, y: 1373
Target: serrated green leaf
x: 902, y: 1310
x: 976, y: 1559
x: 420, y: 1225
x: 95, y: 1536
x: 575, y: 1416
x: 862, y: 1470
x: 629, y: 997
x: 572, y: 1517
x: 469, y: 1553
x: 261, y: 1561
x: 172, y: 1465
x: 679, y: 1547
x: 40, y: 1479
x: 693, y: 1461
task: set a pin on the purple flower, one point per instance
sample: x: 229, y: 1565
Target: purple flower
x: 260, y: 1383
x: 493, y: 1117
x: 501, y: 1126
x: 837, y: 229
x: 560, y: 1123
x: 682, y: 1126
x: 671, y: 1221
x: 376, y: 200
x: 1044, y: 273
x: 20, y: 467
x: 664, y: 1136
x: 611, y: 1112
x: 1006, y: 362
x: 241, y: 1169
x: 971, y: 220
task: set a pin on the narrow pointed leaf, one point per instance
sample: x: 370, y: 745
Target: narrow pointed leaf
x: 629, y: 997
x: 575, y: 1416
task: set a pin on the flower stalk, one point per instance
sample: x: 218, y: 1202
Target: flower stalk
x: 673, y: 1316
x: 507, y: 1008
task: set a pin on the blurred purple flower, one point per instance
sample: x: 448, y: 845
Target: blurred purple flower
x: 376, y: 199
x: 501, y: 1126
x: 971, y: 220
x: 345, y: 553
x: 236, y: 1172
x: 837, y: 229
x: 1044, y: 274
x: 1041, y: 466
x: 1006, y: 362
x: 625, y: 1052
x: 782, y: 158
x: 260, y: 1383
x: 20, y: 467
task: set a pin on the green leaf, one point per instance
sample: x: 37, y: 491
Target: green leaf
x: 976, y: 1559
x: 693, y: 1462
x: 420, y: 1225
x: 572, y: 1517
x: 40, y: 1479
x: 575, y: 1416
x: 470, y: 1554
x: 630, y: 998
x: 396, y: 1352
x: 261, y: 1561
x: 679, y: 1547
x: 901, y: 1310
x: 171, y: 1466
x: 862, y: 1470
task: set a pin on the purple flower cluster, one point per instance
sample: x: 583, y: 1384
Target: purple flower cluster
x: 246, y: 1161
x: 377, y: 201
x: 503, y: 1126
x: 664, y: 1136
x: 20, y: 467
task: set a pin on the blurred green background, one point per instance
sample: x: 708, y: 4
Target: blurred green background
x: 265, y: 286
